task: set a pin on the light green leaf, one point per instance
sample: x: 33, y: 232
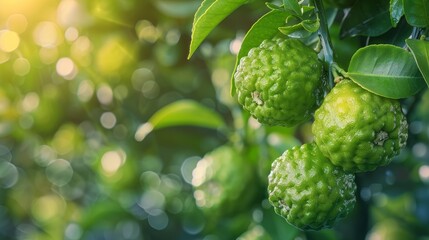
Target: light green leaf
x: 286, y: 30
x: 386, y: 70
x: 417, y: 12
x: 396, y: 11
x: 208, y: 16
x: 420, y: 51
x: 181, y: 113
x: 265, y: 28
x: 292, y: 5
x: 367, y: 18
x: 311, y: 25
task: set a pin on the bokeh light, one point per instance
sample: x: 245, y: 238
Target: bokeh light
x: 9, y: 41
x: 47, y: 34
x: 59, y: 172
x: 8, y: 174
x: 66, y: 68
x: 111, y: 161
x: 17, y: 23
x: 21, y: 66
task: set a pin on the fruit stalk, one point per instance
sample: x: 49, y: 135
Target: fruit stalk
x: 325, y: 39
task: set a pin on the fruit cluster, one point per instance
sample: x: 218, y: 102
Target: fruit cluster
x: 312, y: 186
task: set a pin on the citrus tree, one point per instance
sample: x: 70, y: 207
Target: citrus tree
x: 351, y: 71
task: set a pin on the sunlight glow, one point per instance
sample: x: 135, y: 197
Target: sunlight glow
x: 9, y: 40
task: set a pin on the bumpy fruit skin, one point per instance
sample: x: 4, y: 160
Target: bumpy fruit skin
x: 308, y: 190
x: 359, y: 130
x: 221, y: 182
x: 279, y: 82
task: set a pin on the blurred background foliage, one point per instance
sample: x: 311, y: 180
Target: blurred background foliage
x: 86, y: 152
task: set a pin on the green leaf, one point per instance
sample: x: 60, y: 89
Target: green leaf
x: 292, y: 5
x: 208, y: 16
x: 265, y: 28
x: 286, y: 30
x: 396, y: 11
x: 295, y: 31
x: 395, y: 36
x: 386, y: 70
x: 311, y: 25
x: 417, y: 12
x: 181, y: 113
x: 420, y: 51
x: 367, y: 18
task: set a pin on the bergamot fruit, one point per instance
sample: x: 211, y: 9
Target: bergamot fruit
x: 279, y: 83
x: 359, y: 130
x: 308, y: 190
x: 221, y: 181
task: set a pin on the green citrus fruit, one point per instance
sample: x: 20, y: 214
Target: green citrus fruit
x: 308, y: 190
x: 359, y: 130
x: 279, y: 83
x: 221, y: 181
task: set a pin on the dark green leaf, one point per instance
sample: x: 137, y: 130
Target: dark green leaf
x: 420, y: 51
x: 396, y: 11
x: 208, y: 16
x: 367, y: 18
x: 417, y: 12
x: 181, y: 113
x: 292, y: 5
x: 386, y: 70
x: 265, y: 28
x: 395, y: 36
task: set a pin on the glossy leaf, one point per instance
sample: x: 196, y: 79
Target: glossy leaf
x: 265, y: 28
x: 395, y: 36
x: 417, y: 12
x: 420, y: 51
x: 181, y: 113
x: 386, y: 70
x: 293, y: 6
x: 367, y: 18
x: 311, y: 25
x: 208, y: 16
x: 396, y: 11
